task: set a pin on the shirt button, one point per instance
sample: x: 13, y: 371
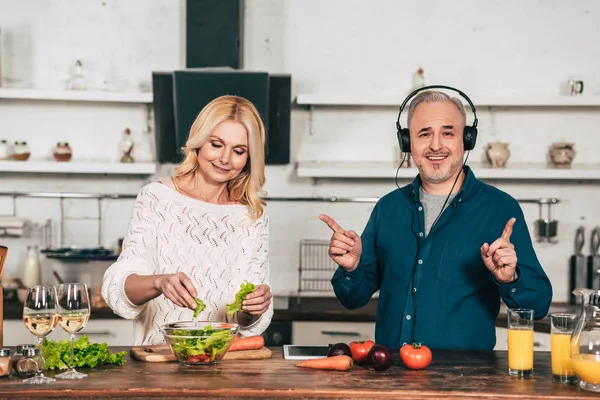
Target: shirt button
x: 347, y: 277
x: 404, y: 344
x: 459, y: 200
x: 513, y: 290
x: 414, y: 289
x: 420, y: 261
x: 420, y: 208
x: 408, y: 317
x: 421, y: 234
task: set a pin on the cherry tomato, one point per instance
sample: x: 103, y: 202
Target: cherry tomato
x: 415, y: 356
x: 360, y: 350
x: 200, y: 358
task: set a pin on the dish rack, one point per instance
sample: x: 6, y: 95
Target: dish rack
x: 316, y: 268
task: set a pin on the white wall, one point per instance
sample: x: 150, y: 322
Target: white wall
x: 329, y: 47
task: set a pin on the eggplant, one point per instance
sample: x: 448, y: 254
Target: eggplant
x: 339, y: 349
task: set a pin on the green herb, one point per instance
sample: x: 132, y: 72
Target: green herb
x: 199, y: 307
x: 245, y: 289
x: 208, y: 341
x: 85, y: 354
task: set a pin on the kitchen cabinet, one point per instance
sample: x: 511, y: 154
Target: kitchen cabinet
x: 541, y: 340
x: 115, y: 332
x: 323, y: 332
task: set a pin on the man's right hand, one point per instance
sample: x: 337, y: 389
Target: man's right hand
x: 345, y: 247
x: 178, y: 288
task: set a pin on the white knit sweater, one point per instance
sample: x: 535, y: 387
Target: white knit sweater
x: 216, y: 246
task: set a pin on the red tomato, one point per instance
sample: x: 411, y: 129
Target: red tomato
x: 415, y: 356
x: 200, y: 358
x: 360, y: 350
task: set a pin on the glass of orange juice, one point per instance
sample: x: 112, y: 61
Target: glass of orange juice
x: 561, y: 328
x: 520, y: 342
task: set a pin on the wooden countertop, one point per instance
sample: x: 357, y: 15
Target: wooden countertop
x: 452, y: 374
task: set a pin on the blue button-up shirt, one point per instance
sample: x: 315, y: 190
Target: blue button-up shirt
x: 435, y: 289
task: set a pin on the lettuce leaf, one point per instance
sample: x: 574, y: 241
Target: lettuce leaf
x: 200, y: 306
x: 57, y: 354
x: 245, y: 289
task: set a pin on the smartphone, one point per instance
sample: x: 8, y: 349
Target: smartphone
x: 303, y: 352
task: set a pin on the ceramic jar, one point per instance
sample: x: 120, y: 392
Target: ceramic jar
x: 498, y: 154
x: 21, y: 151
x: 562, y: 154
x: 62, y: 151
x: 5, y: 150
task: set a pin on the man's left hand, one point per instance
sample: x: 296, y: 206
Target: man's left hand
x: 500, y: 257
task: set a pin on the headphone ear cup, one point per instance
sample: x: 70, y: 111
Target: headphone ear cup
x: 404, y: 140
x: 469, y: 137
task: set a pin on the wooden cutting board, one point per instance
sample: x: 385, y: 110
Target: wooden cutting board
x: 162, y: 353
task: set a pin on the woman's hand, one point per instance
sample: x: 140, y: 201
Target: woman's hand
x: 178, y: 288
x: 258, y: 302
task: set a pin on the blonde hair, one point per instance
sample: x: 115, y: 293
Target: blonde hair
x: 245, y: 188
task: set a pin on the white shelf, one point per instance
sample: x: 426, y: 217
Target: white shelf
x: 76, y: 95
x: 78, y: 167
x: 395, y: 100
x: 387, y: 170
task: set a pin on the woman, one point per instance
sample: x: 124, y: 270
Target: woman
x: 201, y: 233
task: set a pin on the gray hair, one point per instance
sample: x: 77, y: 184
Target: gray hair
x: 433, y: 96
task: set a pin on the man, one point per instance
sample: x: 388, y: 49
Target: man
x: 440, y: 282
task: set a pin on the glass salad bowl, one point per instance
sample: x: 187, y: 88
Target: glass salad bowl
x: 199, y: 342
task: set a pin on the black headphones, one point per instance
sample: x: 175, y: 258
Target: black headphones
x: 469, y: 133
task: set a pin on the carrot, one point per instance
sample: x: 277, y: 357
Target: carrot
x: 337, y: 363
x: 247, y: 343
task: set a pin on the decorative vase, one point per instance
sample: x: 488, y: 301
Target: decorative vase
x: 62, y: 151
x: 562, y: 154
x: 498, y: 154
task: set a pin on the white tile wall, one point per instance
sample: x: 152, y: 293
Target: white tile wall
x: 335, y: 46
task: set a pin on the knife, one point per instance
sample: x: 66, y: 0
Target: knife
x: 577, y: 267
x: 593, y: 261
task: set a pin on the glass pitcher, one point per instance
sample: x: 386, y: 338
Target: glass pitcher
x: 585, y: 340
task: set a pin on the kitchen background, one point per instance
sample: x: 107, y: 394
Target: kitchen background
x: 348, y: 51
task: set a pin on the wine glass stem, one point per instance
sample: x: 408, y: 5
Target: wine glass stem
x: 71, y: 366
x: 40, y: 358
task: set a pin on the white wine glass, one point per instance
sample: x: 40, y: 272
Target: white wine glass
x: 73, y: 315
x: 40, y: 317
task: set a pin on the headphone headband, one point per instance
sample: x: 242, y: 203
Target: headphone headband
x: 413, y: 94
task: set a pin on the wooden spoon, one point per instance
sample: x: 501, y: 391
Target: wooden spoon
x: 3, y: 252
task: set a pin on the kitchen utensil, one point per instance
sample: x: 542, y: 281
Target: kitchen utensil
x: 58, y: 278
x: 199, y: 342
x: 3, y: 253
x: 162, y: 353
x: 547, y: 228
x: 577, y: 267
x: 593, y: 261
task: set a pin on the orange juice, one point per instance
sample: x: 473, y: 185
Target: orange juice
x: 561, y: 361
x: 520, y: 349
x: 587, y: 366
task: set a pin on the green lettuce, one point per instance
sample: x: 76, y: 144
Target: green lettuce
x: 245, y: 289
x: 57, y: 354
x: 207, y: 341
x: 200, y: 306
